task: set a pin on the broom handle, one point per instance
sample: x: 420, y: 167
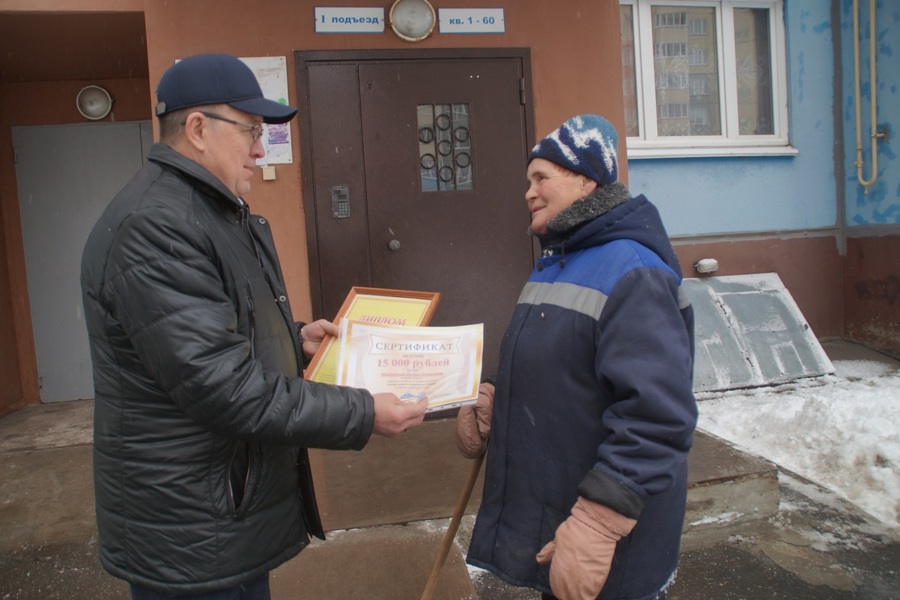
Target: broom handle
x: 454, y: 525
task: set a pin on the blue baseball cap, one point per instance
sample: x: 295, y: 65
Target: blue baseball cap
x: 205, y: 79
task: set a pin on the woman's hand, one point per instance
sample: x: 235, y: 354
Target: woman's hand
x: 473, y: 423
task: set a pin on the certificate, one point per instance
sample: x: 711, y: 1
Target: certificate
x: 442, y: 364
x: 374, y: 305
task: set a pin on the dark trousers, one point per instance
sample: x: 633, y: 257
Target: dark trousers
x: 256, y: 589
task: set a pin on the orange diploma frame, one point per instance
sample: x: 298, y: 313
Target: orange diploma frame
x: 377, y: 306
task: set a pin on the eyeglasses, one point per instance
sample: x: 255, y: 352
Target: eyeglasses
x: 255, y: 131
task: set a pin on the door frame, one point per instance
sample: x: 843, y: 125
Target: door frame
x: 303, y: 59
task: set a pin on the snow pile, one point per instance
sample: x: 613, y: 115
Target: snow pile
x: 841, y: 431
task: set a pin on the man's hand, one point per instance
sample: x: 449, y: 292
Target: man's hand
x: 473, y: 423
x: 393, y: 416
x: 582, y: 551
x: 312, y: 334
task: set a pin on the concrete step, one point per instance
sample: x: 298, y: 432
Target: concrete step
x: 726, y: 487
x: 386, y: 508
x: 46, y: 479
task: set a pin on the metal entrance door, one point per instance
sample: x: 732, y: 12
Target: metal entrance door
x: 66, y: 175
x: 417, y: 183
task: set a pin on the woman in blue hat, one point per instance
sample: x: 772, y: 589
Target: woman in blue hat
x: 590, y: 418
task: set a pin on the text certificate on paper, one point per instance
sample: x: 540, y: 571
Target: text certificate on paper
x: 440, y: 363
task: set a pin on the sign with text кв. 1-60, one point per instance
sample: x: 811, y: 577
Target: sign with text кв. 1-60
x: 472, y: 20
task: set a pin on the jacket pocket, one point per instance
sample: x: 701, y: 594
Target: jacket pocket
x: 241, y: 478
x: 551, y: 519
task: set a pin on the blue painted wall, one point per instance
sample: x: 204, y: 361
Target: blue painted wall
x: 708, y: 196
x: 881, y: 206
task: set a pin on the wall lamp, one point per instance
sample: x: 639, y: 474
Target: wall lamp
x: 93, y: 102
x: 706, y: 265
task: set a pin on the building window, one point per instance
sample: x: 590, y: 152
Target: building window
x: 670, y: 19
x: 698, y: 57
x: 699, y: 85
x: 697, y: 27
x: 670, y: 50
x: 704, y: 77
x: 673, y: 111
x: 699, y: 115
x: 671, y: 80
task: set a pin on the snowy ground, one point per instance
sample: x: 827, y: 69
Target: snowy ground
x: 841, y: 431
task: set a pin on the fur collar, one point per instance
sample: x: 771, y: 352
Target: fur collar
x: 603, y: 199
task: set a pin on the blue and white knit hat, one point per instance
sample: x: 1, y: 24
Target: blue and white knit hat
x: 585, y: 144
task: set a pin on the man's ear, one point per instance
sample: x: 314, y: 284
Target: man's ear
x: 196, y: 130
x: 588, y: 185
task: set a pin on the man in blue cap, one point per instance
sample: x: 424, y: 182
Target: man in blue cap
x: 202, y: 418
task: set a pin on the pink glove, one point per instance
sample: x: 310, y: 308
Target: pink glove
x: 583, y: 549
x: 473, y: 423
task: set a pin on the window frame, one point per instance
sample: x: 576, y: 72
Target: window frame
x: 730, y: 143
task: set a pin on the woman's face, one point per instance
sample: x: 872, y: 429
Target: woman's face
x: 551, y: 189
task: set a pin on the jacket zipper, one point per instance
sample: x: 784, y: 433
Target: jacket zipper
x: 245, y: 225
x: 251, y: 316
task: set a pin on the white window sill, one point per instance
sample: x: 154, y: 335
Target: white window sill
x: 643, y: 151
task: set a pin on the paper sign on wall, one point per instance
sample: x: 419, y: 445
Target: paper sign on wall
x: 271, y: 72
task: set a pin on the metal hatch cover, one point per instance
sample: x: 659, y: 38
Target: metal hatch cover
x: 749, y: 332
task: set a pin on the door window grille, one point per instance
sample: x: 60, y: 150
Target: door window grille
x: 445, y: 147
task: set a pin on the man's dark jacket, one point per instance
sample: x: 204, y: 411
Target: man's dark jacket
x: 201, y: 419
x: 593, y: 398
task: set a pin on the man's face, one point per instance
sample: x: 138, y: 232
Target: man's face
x: 231, y: 150
x: 551, y: 189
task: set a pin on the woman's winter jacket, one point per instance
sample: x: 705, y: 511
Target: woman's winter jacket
x: 201, y: 417
x: 593, y: 397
